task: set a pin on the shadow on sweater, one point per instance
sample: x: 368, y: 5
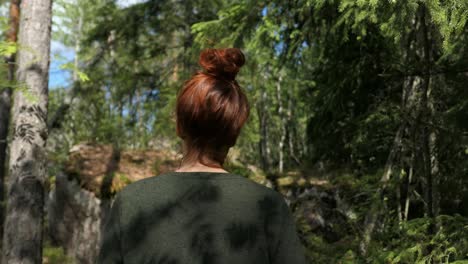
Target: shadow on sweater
x: 238, y: 235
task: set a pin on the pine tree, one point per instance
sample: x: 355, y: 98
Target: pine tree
x: 22, y: 240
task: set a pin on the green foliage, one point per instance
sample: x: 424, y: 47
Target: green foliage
x: 71, y: 66
x: 55, y: 255
x: 413, y: 243
x: 8, y: 48
x: 408, y: 242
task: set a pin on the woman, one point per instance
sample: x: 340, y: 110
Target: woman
x: 201, y: 213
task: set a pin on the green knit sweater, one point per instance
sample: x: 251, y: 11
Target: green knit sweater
x: 199, y: 217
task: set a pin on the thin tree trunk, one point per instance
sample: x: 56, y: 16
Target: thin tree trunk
x: 373, y: 214
x: 264, y: 135
x: 5, y: 103
x: 398, y: 198
x: 22, y: 240
x: 415, y: 107
x: 408, y: 189
x: 428, y: 135
x: 141, y: 123
x: 78, y: 43
x: 282, y: 126
x: 434, y: 161
x: 292, y: 130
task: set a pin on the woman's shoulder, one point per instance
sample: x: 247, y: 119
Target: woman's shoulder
x: 140, y: 186
x: 173, y: 180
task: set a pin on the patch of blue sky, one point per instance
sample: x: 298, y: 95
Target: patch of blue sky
x: 59, y: 55
x: 264, y: 11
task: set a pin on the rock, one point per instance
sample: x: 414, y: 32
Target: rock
x: 104, y: 170
x: 285, y: 181
x: 79, y: 199
x: 75, y: 219
x: 325, y: 213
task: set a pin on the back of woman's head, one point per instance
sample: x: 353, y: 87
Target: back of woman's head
x: 211, y: 107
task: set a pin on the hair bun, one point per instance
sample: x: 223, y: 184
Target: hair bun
x: 223, y: 63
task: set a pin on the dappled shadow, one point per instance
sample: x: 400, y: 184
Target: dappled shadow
x: 24, y: 208
x: 187, y: 204
x: 268, y: 209
x: 35, y: 67
x: 241, y: 235
x: 190, y: 214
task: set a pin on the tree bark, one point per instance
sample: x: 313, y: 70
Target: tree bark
x: 291, y: 130
x: 264, y: 135
x: 428, y: 136
x: 376, y: 207
x: 434, y: 161
x: 5, y: 103
x: 409, y: 189
x: 22, y: 240
x: 416, y: 110
x: 398, y: 198
x: 282, y: 140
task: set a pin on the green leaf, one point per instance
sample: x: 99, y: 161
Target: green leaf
x: 82, y: 76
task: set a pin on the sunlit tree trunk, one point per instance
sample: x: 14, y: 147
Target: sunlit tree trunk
x: 398, y: 197
x: 408, y: 189
x: 282, y: 140
x: 79, y: 32
x: 22, y: 240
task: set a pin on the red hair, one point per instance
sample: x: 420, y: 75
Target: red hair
x: 211, y: 108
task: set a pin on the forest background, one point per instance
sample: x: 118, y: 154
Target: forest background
x: 365, y: 101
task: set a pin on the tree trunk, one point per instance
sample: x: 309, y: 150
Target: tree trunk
x: 78, y: 33
x: 409, y: 189
x: 376, y: 207
x: 398, y: 197
x: 22, y: 240
x: 434, y: 161
x: 264, y: 135
x: 428, y: 140
x: 5, y: 103
x: 415, y: 109
x: 291, y: 130
x: 282, y: 140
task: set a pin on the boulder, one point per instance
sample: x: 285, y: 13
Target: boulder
x: 104, y: 170
x: 75, y: 219
x: 80, y: 196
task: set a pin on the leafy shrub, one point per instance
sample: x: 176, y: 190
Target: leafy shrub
x: 449, y: 243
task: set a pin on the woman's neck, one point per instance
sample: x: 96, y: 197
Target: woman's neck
x: 197, y: 167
